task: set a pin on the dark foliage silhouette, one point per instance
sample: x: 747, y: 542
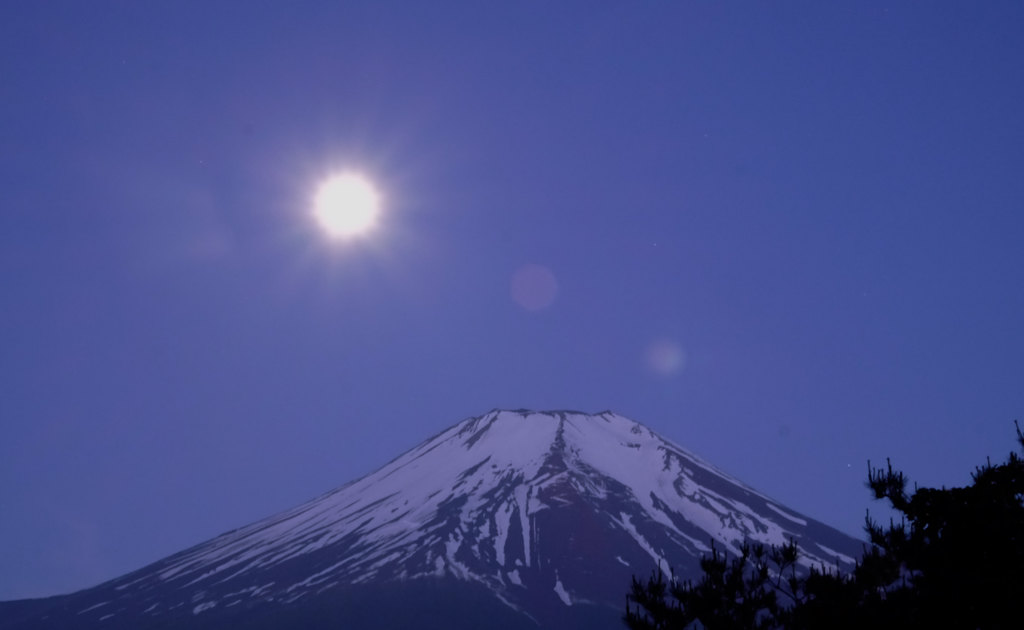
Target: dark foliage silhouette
x: 953, y: 561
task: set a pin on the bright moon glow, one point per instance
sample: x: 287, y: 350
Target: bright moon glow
x: 346, y: 205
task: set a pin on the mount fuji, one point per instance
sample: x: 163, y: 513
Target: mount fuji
x: 514, y: 519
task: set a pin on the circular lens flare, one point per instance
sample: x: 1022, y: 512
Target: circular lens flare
x: 534, y: 287
x: 346, y: 205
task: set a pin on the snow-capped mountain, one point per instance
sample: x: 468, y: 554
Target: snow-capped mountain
x: 514, y: 518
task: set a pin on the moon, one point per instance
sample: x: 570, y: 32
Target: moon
x: 346, y: 205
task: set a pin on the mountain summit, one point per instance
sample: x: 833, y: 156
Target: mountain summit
x: 515, y: 519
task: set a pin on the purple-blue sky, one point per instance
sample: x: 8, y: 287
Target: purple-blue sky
x: 788, y: 236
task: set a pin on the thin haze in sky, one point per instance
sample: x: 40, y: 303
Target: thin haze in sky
x: 787, y: 236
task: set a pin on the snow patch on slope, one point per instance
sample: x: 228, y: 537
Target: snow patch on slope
x: 561, y: 592
x: 784, y: 514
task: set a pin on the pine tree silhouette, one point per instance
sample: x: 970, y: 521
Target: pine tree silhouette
x: 955, y: 560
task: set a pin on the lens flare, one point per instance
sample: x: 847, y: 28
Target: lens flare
x: 665, y: 356
x: 534, y: 287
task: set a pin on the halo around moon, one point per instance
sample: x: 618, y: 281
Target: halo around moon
x: 346, y: 205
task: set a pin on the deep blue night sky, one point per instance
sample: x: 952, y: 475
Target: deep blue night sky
x: 788, y: 236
